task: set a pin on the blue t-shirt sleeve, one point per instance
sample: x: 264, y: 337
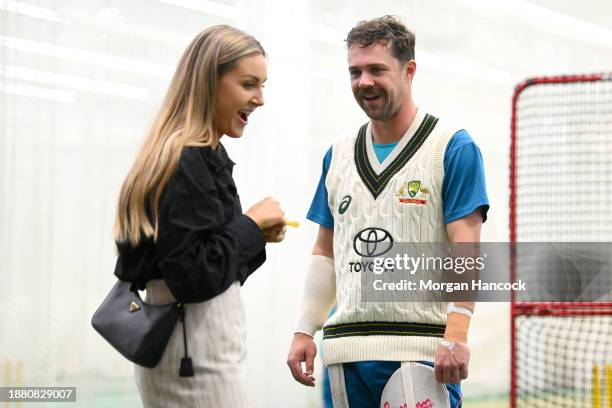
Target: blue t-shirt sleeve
x: 464, y: 189
x: 319, y: 209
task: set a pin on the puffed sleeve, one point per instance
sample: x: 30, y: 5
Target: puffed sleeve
x: 201, y: 254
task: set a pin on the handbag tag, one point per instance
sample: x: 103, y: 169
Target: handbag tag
x: 134, y: 307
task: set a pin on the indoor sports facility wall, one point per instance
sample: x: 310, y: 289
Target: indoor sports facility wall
x: 81, y: 81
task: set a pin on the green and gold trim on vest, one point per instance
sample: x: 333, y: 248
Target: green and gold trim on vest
x: 376, y: 183
x: 383, y: 329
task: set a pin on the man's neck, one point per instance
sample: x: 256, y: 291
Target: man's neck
x: 391, y: 130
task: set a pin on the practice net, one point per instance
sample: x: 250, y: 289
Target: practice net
x: 561, y: 191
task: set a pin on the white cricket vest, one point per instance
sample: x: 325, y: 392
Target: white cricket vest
x: 401, y: 196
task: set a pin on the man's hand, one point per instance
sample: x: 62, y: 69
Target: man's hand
x: 303, y: 349
x: 451, y: 365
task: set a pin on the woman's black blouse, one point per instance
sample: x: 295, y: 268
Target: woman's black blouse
x: 204, y: 242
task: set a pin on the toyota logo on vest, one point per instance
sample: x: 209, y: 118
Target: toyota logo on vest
x: 373, y: 241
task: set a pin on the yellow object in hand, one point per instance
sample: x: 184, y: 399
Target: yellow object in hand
x: 293, y: 224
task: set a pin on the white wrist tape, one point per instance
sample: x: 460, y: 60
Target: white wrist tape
x: 448, y: 344
x: 451, y: 308
x: 319, y: 294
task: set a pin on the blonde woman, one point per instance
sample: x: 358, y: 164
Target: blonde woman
x: 180, y: 229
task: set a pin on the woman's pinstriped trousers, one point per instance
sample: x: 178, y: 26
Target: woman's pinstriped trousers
x: 216, y: 336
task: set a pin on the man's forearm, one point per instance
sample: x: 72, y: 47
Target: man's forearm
x: 459, y: 314
x: 319, y: 294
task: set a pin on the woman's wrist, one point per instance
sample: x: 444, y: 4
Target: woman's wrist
x: 254, y: 218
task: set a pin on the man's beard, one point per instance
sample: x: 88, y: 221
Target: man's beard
x: 387, y: 109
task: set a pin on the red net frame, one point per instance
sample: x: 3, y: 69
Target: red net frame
x: 540, y: 308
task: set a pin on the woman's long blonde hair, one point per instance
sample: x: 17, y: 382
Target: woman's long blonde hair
x: 186, y: 118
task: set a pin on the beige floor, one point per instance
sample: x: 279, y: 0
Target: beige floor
x: 486, y: 404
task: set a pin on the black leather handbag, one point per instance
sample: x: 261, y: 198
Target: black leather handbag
x: 140, y: 331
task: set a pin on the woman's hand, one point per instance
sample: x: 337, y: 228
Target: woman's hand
x: 268, y: 215
x: 275, y: 233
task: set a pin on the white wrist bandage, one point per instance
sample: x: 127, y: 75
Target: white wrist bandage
x: 451, y: 308
x: 319, y: 294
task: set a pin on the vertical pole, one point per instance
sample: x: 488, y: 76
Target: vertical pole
x: 18, y: 378
x: 608, y: 374
x: 596, y: 387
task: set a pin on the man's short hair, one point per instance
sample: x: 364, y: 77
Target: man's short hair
x: 388, y: 30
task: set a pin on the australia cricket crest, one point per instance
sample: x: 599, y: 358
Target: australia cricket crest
x: 413, y: 192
